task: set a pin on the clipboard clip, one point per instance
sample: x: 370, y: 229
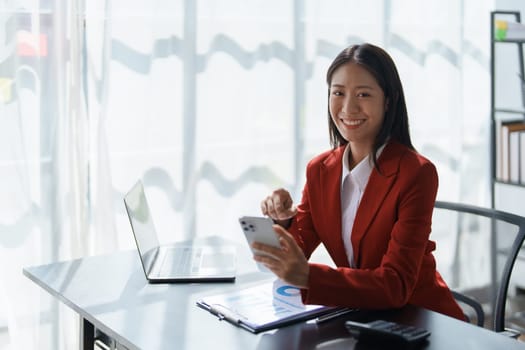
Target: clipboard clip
x: 223, y: 313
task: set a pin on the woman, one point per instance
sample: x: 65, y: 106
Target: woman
x: 369, y: 200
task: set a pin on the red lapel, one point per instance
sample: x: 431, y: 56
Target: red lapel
x: 330, y: 179
x: 375, y: 192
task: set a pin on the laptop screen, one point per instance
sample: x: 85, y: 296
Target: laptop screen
x: 142, y: 225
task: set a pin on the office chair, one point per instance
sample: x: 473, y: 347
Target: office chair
x: 500, y: 235
x: 475, y: 305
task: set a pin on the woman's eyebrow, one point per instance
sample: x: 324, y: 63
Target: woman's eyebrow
x: 355, y: 87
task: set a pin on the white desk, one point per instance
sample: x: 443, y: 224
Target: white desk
x: 111, y: 294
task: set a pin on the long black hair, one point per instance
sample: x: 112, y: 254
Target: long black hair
x: 378, y: 63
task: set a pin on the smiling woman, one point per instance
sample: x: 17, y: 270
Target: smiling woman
x: 369, y: 201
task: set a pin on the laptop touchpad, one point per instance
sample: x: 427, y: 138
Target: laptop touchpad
x: 214, y: 260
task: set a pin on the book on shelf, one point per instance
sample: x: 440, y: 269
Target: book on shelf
x: 501, y: 151
x: 508, y: 150
x: 522, y: 157
x: 506, y: 30
x: 514, y: 157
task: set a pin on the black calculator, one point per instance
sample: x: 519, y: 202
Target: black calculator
x: 381, y: 331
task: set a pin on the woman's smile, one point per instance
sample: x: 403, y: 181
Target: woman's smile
x: 352, y: 123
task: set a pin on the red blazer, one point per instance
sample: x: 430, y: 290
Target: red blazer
x: 390, y: 236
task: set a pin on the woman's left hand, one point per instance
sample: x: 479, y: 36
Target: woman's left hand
x: 287, y: 262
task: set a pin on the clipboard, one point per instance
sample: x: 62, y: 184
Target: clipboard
x: 263, y: 307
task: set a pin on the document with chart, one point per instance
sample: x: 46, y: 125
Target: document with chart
x: 262, y: 307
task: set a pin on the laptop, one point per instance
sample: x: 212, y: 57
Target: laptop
x: 184, y: 262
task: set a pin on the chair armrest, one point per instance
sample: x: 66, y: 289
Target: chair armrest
x: 474, y: 304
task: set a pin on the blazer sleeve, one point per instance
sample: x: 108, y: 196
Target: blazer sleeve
x: 393, y: 249
x: 302, y: 227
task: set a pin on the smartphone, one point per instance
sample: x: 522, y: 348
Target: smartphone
x: 259, y: 229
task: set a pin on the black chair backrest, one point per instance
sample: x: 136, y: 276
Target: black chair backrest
x: 510, y: 254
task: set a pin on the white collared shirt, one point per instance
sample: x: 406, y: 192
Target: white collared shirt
x: 353, y: 184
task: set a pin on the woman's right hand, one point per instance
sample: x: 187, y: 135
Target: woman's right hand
x: 279, y: 207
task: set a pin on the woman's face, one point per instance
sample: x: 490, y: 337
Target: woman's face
x: 357, y: 104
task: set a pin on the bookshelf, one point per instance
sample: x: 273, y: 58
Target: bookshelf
x: 507, y: 105
x: 507, y: 116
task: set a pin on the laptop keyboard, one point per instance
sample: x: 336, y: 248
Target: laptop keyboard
x: 184, y: 261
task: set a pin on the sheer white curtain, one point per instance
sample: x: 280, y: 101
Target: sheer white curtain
x: 212, y: 104
x: 44, y: 214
